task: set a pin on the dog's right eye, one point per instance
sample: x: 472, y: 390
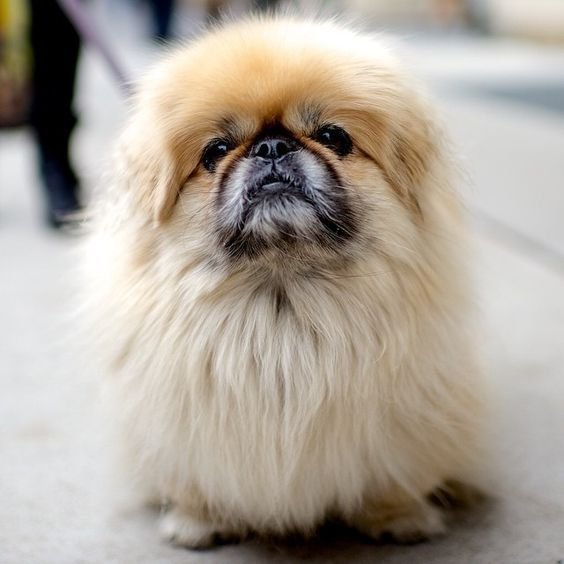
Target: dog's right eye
x: 215, y: 150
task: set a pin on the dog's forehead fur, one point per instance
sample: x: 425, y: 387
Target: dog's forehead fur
x: 256, y: 72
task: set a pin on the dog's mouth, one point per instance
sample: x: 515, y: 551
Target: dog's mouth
x: 276, y: 188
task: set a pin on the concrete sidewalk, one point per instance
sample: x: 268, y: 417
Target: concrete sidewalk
x: 55, y: 506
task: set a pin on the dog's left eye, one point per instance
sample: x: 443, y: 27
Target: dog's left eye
x: 335, y: 138
x: 215, y: 150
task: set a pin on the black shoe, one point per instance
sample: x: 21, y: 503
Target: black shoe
x: 61, y: 187
x: 69, y: 220
x: 60, y: 183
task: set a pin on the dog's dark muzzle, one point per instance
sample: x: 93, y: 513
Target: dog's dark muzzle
x: 274, y: 171
x: 287, y: 197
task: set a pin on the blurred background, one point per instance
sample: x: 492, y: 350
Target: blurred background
x: 496, y: 70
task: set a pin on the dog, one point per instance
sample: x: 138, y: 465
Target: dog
x: 277, y: 276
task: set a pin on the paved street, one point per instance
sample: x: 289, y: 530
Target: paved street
x: 502, y: 103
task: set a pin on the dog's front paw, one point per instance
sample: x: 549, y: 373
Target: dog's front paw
x: 423, y: 523
x: 404, y: 524
x: 183, y: 529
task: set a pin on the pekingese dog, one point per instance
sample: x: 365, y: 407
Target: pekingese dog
x: 277, y: 276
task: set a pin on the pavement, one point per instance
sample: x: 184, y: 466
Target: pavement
x: 55, y: 488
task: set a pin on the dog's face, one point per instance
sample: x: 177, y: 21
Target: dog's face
x: 283, y: 192
x: 282, y: 142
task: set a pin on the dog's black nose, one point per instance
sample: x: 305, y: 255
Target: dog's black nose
x: 273, y: 148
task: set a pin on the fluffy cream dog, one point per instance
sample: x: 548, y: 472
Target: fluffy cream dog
x: 278, y: 282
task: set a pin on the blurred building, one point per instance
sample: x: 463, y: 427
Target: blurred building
x: 537, y: 19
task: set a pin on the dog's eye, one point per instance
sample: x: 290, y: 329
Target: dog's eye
x: 215, y: 150
x: 334, y: 137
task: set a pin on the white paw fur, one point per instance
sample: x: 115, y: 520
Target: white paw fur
x: 183, y: 529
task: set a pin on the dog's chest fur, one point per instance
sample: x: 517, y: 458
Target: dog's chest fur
x: 264, y: 397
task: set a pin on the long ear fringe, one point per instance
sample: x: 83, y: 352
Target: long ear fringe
x: 149, y: 172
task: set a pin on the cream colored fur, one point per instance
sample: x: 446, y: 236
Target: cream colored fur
x: 358, y: 395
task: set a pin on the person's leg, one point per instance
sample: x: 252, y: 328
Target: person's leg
x: 55, y: 46
x: 162, y: 12
x: 266, y: 5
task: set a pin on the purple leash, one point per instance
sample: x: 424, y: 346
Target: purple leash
x: 82, y: 22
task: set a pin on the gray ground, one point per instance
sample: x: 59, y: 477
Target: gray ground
x: 54, y: 502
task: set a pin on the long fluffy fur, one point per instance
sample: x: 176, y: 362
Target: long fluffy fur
x: 260, y: 397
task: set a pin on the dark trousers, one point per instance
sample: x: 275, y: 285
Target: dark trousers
x: 162, y: 12
x: 55, y: 48
x: 266, y: 4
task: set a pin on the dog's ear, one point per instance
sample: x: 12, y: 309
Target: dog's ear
x: 412, y: 152
x: 396, y: 130
x: 148, y: 170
